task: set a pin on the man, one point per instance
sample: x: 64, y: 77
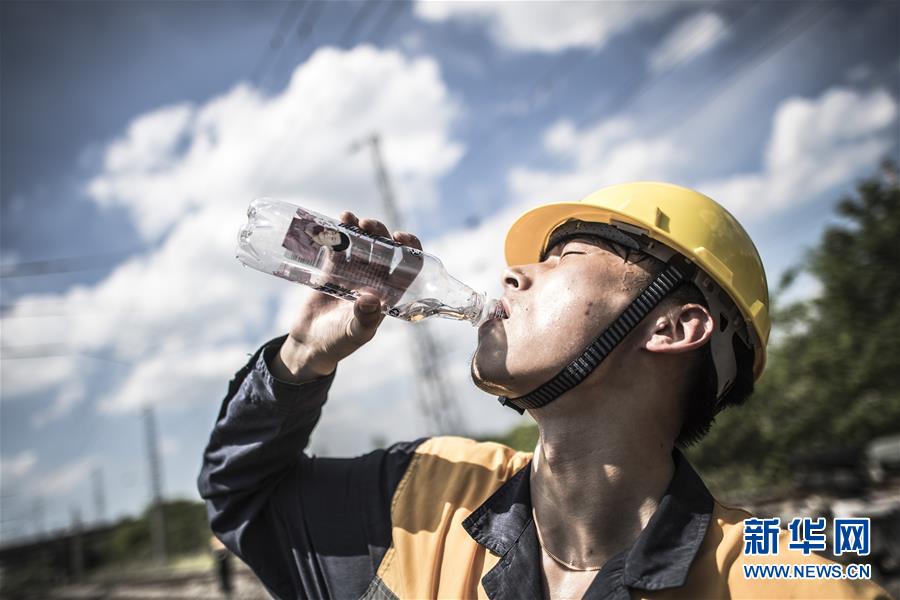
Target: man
x: 634, y: 316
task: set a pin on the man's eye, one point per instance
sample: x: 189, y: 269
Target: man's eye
x: 570, y: 252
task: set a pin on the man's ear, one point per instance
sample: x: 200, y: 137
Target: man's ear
x: 682, y: 329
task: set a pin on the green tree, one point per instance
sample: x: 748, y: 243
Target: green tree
x: 522, y: 437
x: 832, y: 378
x: 186, y: 531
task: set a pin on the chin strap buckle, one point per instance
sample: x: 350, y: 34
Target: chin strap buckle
x: 503, y: 400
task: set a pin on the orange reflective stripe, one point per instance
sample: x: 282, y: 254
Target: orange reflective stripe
x: 432, y: 555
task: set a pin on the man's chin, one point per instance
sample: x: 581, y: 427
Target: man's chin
x: 492, y: 383
x: 490, y: 388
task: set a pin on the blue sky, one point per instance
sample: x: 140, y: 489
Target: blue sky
x: 134, y: 134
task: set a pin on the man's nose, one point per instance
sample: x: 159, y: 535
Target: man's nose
x: 515, y: 277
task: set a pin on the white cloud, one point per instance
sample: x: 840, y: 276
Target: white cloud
x: 16, y: 467
x: 815, y: 145
x: 176, y: 378
x: 180, y: 319
x: 692, y: 37
x: 65, y: 478
x: 63, y: 403
x: 245, y: 144
x: 18, y: 376
x: 609, y: 152
x: 150, y: 141
x: 546, y: 26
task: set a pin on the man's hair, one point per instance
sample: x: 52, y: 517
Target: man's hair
x: 700, y: 402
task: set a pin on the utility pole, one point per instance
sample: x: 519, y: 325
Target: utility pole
x: 435, y: 401
x: 76, y: 547
x: 99, y: 495
x: 157, y: 520
x: 37, y: 516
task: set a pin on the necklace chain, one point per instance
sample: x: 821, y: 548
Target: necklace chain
x: 565, y: 563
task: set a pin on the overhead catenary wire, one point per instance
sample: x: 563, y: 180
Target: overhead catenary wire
x: 548, y: 80
x: 762, y: 53
x: 306, y: 27
x: 303, y: 29
x: 790, y: 33
x: 36, y: 351
x: 294, y: 17
x: 362, y: 13
x: 292, y: 11
x: 279, y: 157
x: 299, y: 16
x: 388, y: 19
x: 302, y: 33
x: 629, y: 94
x: 69, y: 264
x: 557, y: 74
x: 745, y: 64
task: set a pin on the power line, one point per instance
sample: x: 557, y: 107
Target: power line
x: 307, y: 26
x: 554, y: 76
x: 789, y: 33
x: 293, y: 11
x: 276, y: 41
x: 68, y: 264
x: 6, y: 317
x: 643, y: 84
x: 388, y: 19
x: 302, y: 31
x: 362, y: 13
x: 295, y: 17
x: 33, y: 351
x: 793, y: 30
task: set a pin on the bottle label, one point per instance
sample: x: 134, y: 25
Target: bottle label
x: 343, y: 259
x: 371, y: 236
x: 336, y: 290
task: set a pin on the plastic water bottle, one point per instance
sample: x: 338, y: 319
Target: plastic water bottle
x: 343, y: 260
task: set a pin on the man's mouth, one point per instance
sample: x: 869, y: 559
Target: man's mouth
x: 506, y: 309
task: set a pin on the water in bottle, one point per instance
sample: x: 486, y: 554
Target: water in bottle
x: 343, y: 260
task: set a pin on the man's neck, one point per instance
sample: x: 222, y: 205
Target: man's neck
x: 597, y: 478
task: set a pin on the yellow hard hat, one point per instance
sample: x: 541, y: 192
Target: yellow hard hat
x: 682, y: 219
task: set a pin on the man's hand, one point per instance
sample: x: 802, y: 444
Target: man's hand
x: 328, y: 329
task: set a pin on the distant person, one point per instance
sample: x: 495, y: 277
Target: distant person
x: 222, y: 559
x: 634, y: 317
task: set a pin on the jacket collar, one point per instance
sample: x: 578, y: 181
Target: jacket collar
x: 660, y: 558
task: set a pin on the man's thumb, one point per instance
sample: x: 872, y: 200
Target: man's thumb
x: 366, y: 317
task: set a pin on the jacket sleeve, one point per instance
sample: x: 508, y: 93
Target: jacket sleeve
x: 308, y: 527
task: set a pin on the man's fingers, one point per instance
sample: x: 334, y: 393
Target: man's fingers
x: 408, y: 239
x: 349, y: 218
x: 375, y: 226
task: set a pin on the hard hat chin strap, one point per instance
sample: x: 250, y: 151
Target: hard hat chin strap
x: 677, y: 270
